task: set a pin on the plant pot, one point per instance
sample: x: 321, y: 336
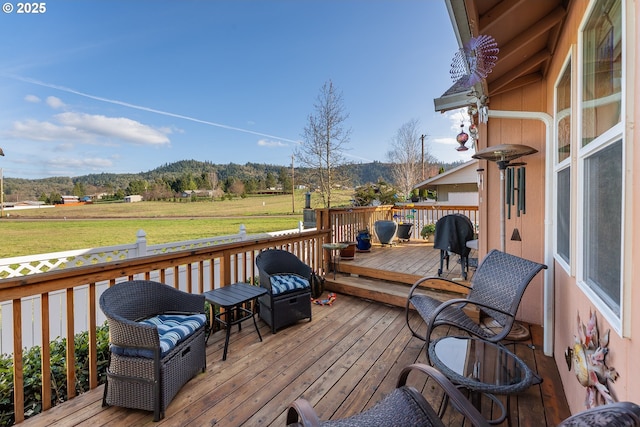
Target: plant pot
x: 349, y: 252
x: 363, y: 241
x: 404, y: 231
x: 386, y: 231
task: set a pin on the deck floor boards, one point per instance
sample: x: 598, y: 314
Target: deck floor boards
x: 343, y: 361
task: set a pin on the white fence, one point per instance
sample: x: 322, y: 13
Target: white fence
x: 33, y: 264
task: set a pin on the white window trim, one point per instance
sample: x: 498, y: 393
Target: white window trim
x: 568, y: 162
x: 620, y: 324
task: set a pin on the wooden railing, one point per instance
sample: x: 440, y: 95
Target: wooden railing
x: 195, y: 271
x: 345, y: 223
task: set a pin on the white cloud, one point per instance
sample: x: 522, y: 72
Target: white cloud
x: 46, y: 131
x: 87, y: 128
x: 114, y: 127
x: 84, y: 162
x: 268, y: 143
x: 32, y: 98
x: 54, y: 102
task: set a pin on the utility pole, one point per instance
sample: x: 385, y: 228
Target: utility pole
x: 422, y: 139
x: 1, y: 188
x: 293, y: 188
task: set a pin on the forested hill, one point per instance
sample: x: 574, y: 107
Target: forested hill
x: 191, y: 172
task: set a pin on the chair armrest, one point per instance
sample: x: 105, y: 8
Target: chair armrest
x: 301, y: 414
x: 127, y: 333
x: 460, y: 402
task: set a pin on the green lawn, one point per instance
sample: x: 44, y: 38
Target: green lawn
x: 36, y: 231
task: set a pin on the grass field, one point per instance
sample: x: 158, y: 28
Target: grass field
x: 36, y: 231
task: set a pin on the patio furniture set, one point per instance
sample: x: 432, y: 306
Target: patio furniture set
x: 158, y: 341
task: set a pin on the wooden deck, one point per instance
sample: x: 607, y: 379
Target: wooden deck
x: 343, y: 361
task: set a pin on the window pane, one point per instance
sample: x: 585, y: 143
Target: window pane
x: 603, y: 223
x: 602, y: 70
x: 564, y: 214
x: 563, y: 117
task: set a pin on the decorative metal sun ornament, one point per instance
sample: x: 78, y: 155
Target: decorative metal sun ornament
x: 474, y: 61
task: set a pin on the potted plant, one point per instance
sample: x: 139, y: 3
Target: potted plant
x: 427, y: 231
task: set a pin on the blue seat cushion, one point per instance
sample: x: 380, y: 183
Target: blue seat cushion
x: 172, y: 328
x: 281, y: 283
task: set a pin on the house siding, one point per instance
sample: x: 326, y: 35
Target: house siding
x: 569, y: 299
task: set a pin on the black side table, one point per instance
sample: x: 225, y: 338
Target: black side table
x: 231, y: 298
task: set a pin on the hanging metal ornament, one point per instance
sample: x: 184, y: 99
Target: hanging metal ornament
x: 462, y: 139
x: 473, y: 130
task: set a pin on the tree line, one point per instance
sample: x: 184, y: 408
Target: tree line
x: 322, y: 166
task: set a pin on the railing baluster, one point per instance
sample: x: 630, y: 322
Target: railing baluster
x: 18, y: 373
x: 71, y: 358
x: 45, y: 353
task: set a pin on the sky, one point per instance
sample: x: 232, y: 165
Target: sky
x: 119, y: 86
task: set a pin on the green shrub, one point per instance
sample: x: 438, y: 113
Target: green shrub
x: 427, y: 230
x: 32, y: 370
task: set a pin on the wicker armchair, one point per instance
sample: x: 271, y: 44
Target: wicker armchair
x: 403, y: 407
x: 620, y: 414
x: 287, y: 280
x: 496, y: 289
x: 146, y: 370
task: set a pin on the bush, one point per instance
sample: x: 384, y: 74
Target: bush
x: 427, y: 230
x: 33, y: 374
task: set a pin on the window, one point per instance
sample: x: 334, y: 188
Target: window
x: 601, y: 69
x: 563, y: 164
x: 603, y: 223
x: 601, y: 160
x: 563, y: 245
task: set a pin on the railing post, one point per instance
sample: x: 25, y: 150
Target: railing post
x: 300, y: 226
x: 141, y: 244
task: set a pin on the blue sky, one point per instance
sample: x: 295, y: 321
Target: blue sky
x: 126, y: 86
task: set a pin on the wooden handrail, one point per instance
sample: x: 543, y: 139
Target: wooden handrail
x: 226, y: 263
x: 235, y: 262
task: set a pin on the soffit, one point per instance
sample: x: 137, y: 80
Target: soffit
x: 526, y: 32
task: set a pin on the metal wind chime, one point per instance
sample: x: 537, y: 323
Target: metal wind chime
x: 512, y: 179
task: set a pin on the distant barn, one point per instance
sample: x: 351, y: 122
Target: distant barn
x: 133, y: 198
x: 66, y: 200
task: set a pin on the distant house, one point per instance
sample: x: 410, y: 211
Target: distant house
x: 69, y: 199
x: 133, y: 198
x: 457, y: 186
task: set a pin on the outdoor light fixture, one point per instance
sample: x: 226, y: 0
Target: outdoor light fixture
x: 503, y: 155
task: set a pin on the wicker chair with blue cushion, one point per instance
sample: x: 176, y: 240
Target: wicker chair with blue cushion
x: 287, y: 280
x: 496, y: 290
x: 157, y: 336
x: 403, y: 407
x: 619, y: 414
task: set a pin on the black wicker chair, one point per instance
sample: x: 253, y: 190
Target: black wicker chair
x: 451, y: 237
x: 403, y: 407
x: 283, y: 305
x: 496, y: 289
x: 145, y: 372
x: 620, y: 414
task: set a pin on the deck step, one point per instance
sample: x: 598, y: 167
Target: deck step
x: 383, y: 291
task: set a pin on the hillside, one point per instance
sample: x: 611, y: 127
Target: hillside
x: 255, y: 176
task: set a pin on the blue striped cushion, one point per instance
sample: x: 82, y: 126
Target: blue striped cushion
x: 172, y: 328
x: 281, y: 283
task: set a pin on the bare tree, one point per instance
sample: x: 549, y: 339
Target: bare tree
x: 325, y: 140
x: 212, y: 177
x: 406, y: 156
